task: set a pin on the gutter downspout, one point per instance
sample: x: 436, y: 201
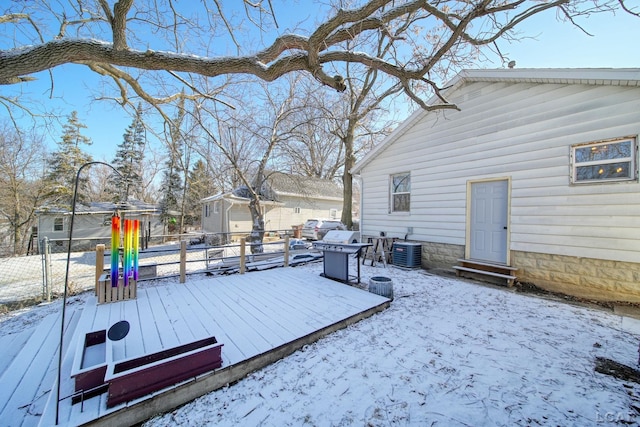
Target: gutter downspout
x: 360, y: 219
x: 226, y: 220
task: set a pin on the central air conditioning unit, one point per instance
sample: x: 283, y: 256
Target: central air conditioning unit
x: 407, y: 254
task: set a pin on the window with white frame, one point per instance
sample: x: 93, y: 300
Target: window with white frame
x: 400, y: 192
x: 612, y: 160
x: 58, y: 224
x: 216, y: 207
x: 333, y: 213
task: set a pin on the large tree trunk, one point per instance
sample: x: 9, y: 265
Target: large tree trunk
x: 347, y: 180
x: 257, y: 230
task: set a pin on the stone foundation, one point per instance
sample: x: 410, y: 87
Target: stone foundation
x: 588, y: 278
x: 440, y: 255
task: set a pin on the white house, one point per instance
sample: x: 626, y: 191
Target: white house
x: 92, y: 223
x: 288, y: 200
x: 537, y: 171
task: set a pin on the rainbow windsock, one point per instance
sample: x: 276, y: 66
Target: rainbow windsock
x: 126, y: 267
x: 136, y: 247
x: 115, y: 245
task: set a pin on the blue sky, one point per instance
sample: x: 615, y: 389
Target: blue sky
x: 549, y: 44
x: 615, y: 43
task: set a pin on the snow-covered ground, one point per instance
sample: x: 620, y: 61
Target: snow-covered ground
x: 447, y: 352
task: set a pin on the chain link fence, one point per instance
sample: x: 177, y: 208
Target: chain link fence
x: 41, y: 277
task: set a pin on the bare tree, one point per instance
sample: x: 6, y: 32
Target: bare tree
x: 248, y: 142
x: 178, y: 40
x: 313, y: 149
x: 23, y: 187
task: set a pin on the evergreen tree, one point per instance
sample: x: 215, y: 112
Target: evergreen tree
x: 200, y: 184
x: 173, y: 174
x: 65, y: 163
x: 128, y: 160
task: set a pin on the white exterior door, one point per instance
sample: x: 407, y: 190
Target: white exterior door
x: 488, y: 221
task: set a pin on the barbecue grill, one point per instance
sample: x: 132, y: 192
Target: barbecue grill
x: 337, y: 246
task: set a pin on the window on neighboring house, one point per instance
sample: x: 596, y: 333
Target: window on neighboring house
x: 216, y: 207
x: 400, y: 192
x: 604, y: 161
x: 333, y: 213
x: 296, y: 210
x: 58, y: 224
x: 206, y: 210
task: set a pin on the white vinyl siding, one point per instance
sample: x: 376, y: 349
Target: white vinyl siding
x: 524, y: 131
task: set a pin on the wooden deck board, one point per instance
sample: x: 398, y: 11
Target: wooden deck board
x: 160, y: 317
x: 262, y: 303
x: 23, y: 367
x: 47, y: 383
x: 135, y: 344
x: 218, y: 324
x: 151, y: 338
x: 11, y: 345
x: 187, y: 303
x: 259, y: 317
x: 268, y: 330
x: 296, y: 301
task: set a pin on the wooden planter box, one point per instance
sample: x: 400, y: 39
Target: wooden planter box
x: 95, y: 372
x: 137, y: 377
x: 107, y: 293
x: 90, y: 362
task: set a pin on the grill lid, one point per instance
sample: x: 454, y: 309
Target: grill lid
x: 341, y: 236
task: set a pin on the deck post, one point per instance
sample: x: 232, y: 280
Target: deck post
x: 242, y: 254
x: 99, y: 264
x: 183, y: 261
x: 286, y: 250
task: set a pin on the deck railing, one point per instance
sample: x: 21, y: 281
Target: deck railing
x: 41, y: 277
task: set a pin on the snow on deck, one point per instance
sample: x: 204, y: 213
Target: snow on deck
x: 259, y: 317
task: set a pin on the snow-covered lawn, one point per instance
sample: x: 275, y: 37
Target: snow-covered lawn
x: 447, y: 352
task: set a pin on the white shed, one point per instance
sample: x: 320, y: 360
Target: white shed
x: 537, y: 171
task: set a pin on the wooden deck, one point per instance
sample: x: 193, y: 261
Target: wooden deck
x: 259, y: 318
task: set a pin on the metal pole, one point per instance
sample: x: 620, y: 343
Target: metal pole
x: 66, y: 279
x: 44, y: 267
x: 47, y: 260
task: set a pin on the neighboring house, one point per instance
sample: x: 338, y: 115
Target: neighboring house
x: 538, y: 171
x: 92, y: 223
x: 288, y: 201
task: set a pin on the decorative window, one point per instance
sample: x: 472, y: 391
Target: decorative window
x: 400, y: 192
x: 296, y: 209
x: 216, y: 207
x: 604, y: 161
x: 58, y: 224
